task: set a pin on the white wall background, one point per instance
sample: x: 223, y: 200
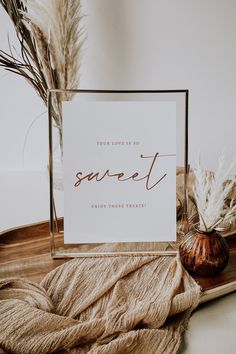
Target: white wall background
x: 139, y: 44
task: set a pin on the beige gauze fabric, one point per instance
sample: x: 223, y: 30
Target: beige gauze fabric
x: 99, y: 306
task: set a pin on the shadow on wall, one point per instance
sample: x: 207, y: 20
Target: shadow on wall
x: 107, y: 46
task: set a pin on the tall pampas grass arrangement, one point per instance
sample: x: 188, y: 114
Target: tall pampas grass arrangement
x: 50, y: 37
x: 211, y: 193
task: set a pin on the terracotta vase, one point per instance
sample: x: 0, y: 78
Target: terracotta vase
x: 204, y: 253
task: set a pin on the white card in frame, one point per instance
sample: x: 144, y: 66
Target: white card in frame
x: 120, y: 150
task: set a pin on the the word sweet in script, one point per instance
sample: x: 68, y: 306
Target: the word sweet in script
x: 122, y: 177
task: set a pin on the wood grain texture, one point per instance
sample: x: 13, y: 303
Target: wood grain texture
x: 24, y: 252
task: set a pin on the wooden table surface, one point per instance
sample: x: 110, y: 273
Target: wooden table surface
x: 24, y: 252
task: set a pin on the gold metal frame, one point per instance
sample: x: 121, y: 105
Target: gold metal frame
x: 56, y: 224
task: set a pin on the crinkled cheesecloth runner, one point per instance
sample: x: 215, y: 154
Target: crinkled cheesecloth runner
x: 99, y: 305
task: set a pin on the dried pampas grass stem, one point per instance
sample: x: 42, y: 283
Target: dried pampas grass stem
x: 50, y: 36
x: 211, y: 191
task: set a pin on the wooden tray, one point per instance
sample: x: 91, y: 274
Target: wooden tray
x: 24, y: 252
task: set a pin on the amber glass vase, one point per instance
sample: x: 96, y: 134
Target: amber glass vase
x: 204, y: 253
